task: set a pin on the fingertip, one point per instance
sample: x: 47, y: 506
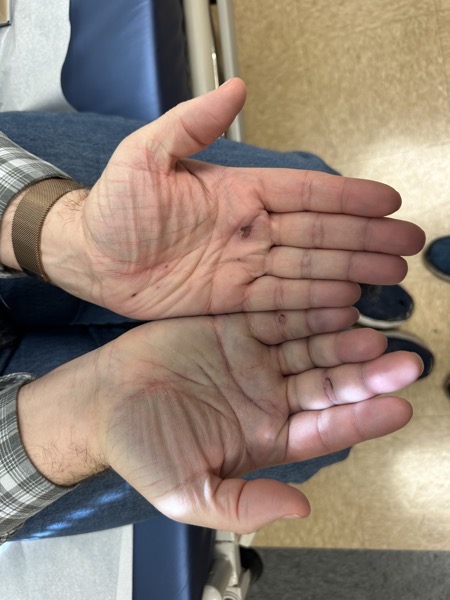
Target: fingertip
x: 236, y: 81
x: 366, y: 197
x: 275, y: 500
x: 402, y: 271
x: 421, y: 239
x: 416, y: 239
x: 355, y: 293
x: 394, y: 371
x: 296, y: 516
x: 371, y: 342
x: 396, y: 198
x: 393, y: 199
x: 353, y: 314
x: 404, y: 411
x: 415, y: 363
x: 409, y: 410
x: 382, y: 416
x: 237, y: 87
x: 420, y: 363
x: 400, y: 412
x: 193, y: 125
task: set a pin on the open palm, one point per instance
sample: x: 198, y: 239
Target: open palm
x: 165, y: 236
x: 194, y: 404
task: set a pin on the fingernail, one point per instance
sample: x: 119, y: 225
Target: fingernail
x: 291, y: 517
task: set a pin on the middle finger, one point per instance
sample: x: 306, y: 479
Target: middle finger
x: 328, y: 350
x: 362, y: 267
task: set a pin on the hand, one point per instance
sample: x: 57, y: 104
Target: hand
x: 183, y: 408
x: 160, y: 235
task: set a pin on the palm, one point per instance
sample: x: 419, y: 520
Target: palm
x: 167, y: 236
x: 225, y: 395
x: 189, y: 246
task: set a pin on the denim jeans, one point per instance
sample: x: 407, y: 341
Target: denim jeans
x: 54, y: 327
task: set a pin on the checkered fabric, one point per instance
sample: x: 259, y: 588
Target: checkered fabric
x: 23, y: 490
x: 18, y: 169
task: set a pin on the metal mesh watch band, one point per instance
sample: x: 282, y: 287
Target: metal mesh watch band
x: 29, y: 219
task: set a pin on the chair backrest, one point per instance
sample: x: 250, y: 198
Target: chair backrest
x: 126, y: 57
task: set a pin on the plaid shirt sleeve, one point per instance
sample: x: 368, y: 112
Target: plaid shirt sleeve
x: 19, y: 169
x: 23, y: 490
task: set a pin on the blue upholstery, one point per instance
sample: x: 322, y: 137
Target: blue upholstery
x: 126, y: 58
x: 171, y: 561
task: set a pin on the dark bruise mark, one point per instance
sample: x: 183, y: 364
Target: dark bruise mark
x: 329, y: 390
x: 244, y: 232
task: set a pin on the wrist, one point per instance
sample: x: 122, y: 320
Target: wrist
x: 59, y: 419
x: 62, y: 251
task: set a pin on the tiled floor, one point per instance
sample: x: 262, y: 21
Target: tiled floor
x: 366, y: 85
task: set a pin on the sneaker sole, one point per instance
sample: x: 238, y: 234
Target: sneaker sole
x: 377, y: 324
x: 402, y: 335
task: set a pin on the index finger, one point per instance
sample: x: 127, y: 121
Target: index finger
x: 292, y: 190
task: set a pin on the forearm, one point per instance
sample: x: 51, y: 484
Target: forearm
x: 58, y: 419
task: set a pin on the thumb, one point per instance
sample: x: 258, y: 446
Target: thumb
x: 246, y: 506
x: 195, y: 124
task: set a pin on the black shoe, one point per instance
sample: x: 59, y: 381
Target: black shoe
x: 384, y: 306
x: 399, y: 340
x: 437, y: 257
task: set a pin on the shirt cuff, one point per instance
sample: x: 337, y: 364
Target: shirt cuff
x: 18, y: 170
x: 23, y: 490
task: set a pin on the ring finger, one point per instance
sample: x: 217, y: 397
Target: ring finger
x: 363, y: 267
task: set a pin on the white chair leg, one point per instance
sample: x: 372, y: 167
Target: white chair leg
x: 5, y: 13
x: 202, y: 53
x: 229, y: 58
x: 229, y: 579
x: 201, y: 49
